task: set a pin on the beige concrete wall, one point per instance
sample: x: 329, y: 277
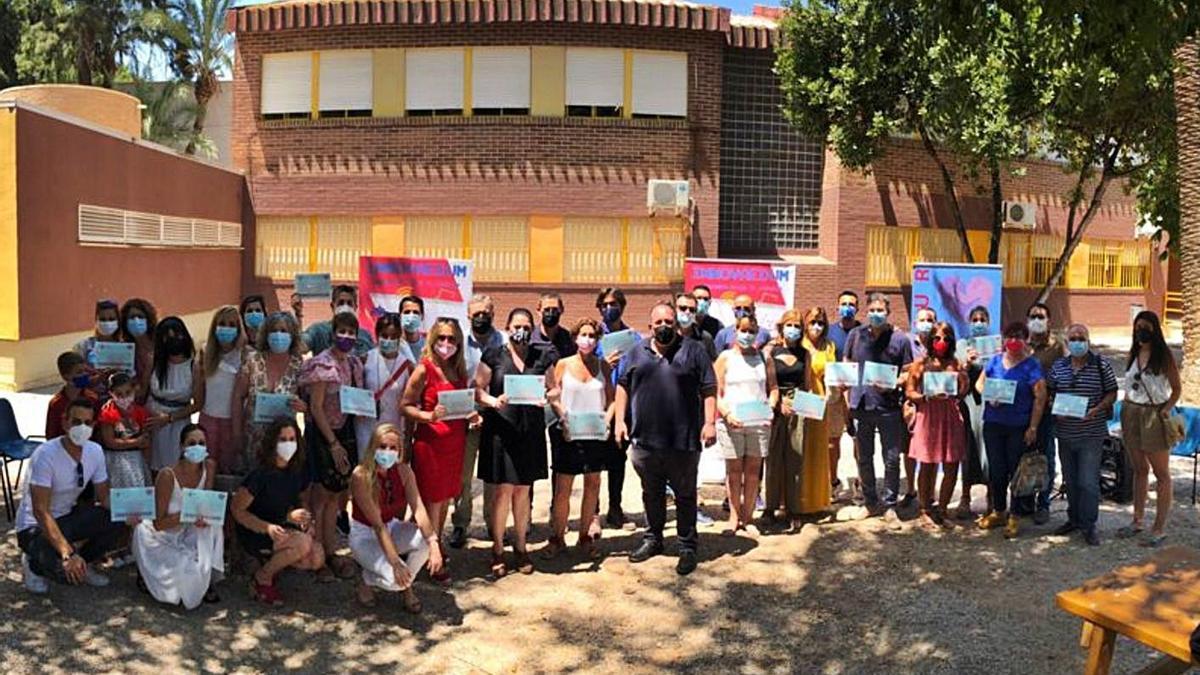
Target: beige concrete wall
x: 106, y: 107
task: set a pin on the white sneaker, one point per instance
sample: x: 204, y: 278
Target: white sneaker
x: 93, y: 578
x: 122, y: 561
x: 33, y: 583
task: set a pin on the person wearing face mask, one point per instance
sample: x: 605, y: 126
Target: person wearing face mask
x: 973, y: 467
x: 174, y: 389
x: 668, y: 388
x: 390, y: 549
x: 1047, y: 348
x: 271, y: 525
x: 385, y: 373
x: 822, y: 438
x: 877, y: 409
x: 107, y: 329
x: 125, y: 429
x: 839, y: 330
x: 77, y: 383
x: 272, y: 367
x: 938, y: 430
x: 586, y: 387
x: 139, y: 321
x: 1081, y: 441
x: 512, y: 447
x: 220, y: 362
x: 611, y: 303
x: 329, y: 433
x: 178, y: 563
x: 483, y: 336
x: 438, y: 443
x: 253, y: 310
x: 706, y: 323
x: 319, y: 337
x: 743, y: 306
x: 1010, y: 429
x: 549, y: 331
x: 687, y: 318
x: 1152, y: 388
x: 922, y: 326
x: 412, y: 319
x: 59, y: 535
x: 786, y: 462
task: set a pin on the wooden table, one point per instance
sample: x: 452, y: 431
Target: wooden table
x: 1156, y: 602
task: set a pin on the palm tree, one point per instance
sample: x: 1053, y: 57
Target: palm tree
x: 168, y: 115
x: 1187, y: 107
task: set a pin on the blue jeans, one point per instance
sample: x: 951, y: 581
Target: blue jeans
x: 1081, y: 477
x: 1005, y: 445
x: 890, y: 425
x: 1046, y: 440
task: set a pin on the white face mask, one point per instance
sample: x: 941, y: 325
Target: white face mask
x: 345, y: 308
x: 80, y: 433
x: 1037, y: 325
x: 106, y: 328
x: 285, y: 450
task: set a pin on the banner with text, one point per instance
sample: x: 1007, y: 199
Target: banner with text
x: 772, y: 285
x: 444, y: 284
x: 954, y: 289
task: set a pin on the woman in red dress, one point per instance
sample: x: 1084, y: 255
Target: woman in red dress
x: 438, y: 443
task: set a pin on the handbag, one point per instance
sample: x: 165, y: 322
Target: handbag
x: 1174, y: 428
x: 1030, y: 476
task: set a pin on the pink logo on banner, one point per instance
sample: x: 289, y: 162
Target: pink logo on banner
x: 430, y: 278
x: 729, y: 279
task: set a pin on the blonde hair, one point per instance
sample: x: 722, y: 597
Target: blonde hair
x: 366, y: 458
x: 212, y: 348
x: 789, y: 316
x: 457, y: 363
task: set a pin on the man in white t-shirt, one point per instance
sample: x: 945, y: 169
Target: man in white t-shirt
x: 60, y: 537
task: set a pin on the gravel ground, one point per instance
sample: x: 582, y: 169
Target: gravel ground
x: 840, y: 597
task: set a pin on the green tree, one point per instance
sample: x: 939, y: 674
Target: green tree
x: 168, y: 115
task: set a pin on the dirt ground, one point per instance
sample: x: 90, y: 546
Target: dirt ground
x: 840, y: 597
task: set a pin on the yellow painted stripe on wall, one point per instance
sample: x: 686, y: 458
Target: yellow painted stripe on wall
x: 466, y: 236
x: 315, y: 95
x: 624, y: 250
x: 545, y: 249
x: 627, y: 104
x: 387, y: 84
x: 313, y: 242
x: 10, y: 315
x: 468, y: 71
x: 548, y: 81
x: 387, y: 236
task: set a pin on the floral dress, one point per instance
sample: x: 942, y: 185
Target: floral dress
x: 258, y: 381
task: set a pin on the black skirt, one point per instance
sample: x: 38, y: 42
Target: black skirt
x: 580, y: 457
x: 324, y: 469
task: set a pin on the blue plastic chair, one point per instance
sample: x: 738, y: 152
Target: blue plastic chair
x: 1190, y: 445
x: 13, y: 448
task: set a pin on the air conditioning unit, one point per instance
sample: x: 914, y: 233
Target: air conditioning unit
x: 1020, y: 215
x: 667, y: 195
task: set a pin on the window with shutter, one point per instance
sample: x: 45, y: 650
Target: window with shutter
x: 595, y: 82
x: 287, y: 85
x: 660, y: 84
x: 500, y: 81
x: 433, y: 81
x: 345, y: 83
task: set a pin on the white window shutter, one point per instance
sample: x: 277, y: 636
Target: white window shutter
x: 500, y: 77
x: 287, y: 83
x: 660, y: 82
x: 433, y: 79
x: 595, y: 77
x: 345, y: 80
x: 101, y: 225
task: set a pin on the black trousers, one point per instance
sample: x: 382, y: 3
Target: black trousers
x: 616, y: 479
x: 658, y: 470
x: 86, y: 522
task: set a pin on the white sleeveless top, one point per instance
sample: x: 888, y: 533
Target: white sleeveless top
x: 745, y: 379
x: 1153, y: 389
x: 175, y: 506
x: 218, y: 387
x: 582, y: 395
x: 177, y: 392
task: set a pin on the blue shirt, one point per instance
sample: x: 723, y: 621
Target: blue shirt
x: 666, y: 394
x: 1094, y: 381
x: 891, y: 347
x: 729, y: 333
x: 319, y: 337
x: 1026, y: 374
x: 838, y: 336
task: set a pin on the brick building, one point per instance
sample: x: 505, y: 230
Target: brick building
x: 521, y: 134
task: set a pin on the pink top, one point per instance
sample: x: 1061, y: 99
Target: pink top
x: 325, y: 367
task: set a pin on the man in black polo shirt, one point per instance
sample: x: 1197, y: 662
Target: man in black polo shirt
x: 550, y: 309
x: 668, y: 385
x: 687, y: 322
x: 707, y: 323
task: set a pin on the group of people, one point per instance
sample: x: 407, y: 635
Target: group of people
x: 655, y: 401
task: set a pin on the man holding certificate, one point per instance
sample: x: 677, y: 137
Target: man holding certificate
x: 1084, y: 388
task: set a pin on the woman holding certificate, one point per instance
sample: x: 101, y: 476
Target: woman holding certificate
x: 746, y: 396
x: 512, y: 448
x: 386, y: 371
x: 440, y: 431
x: 580, y: 442
x: 936, y: 384
x: 1014, y: 395
x: 822, y: 437
x: 221, y: 360
x: 107, y: 329
x: 786, y: 466
x: 271, y: 369
x: 178, y: 562
x: 174, y: 382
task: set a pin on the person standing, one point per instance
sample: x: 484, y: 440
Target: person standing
x: 687, y: 317
x: 272, y: 367
x: 611, y: 304
x: 139, y: 323
x: 822, y: 438
x: 846, y: 321
x: 412, y: 322
x: 669, y: 388
x: 549, y: 330
x: 938, y: 432
x: 174, y: 385
x: 786, y: 462
x: 107, y: 329
x: 922, y: 327
x: 220, y: 361
x: 1010, y: 429
x: 1047, y: 349
x: 1081, y: 441
x: 706, y: 323
x: 973, y: 468
x: 253, y: 310
x: 876, y: 408
x: 77, y: 383
x: 386, y: 373
x: 320, y: 336
x: 743, y: 306
x: 1152, y: 388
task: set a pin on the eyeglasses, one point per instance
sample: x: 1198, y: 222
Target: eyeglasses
x: 446, y: 338
x: 689, y: 310
x: 78, y: 474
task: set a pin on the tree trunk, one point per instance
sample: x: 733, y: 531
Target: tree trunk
x: 1076, y: 232
x: 1187, y: 134
x: 197, y: 125
x: 997, y: 212
x: 948, y: 183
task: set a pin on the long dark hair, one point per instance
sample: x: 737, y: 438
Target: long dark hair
x: 147, y: 309
x: 266, y: 449
x: 1160, y: 354
x: 167, y: 331
x: 945, y: 330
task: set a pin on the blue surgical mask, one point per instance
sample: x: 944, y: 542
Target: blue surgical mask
x: 924, y: 327
x: 136, y: 325
x: 791, y: 333
x: 847, y: 311
x: 279, y: 341
x: 744, y: 339
x: 979, y: 328
x: 195, y: 453
x: 684, y: 319
x: 107, y: 328
x: 226, y: 334
x: 254, y: 319
x: 411, y: 323
x: 1078, y: 348
x: 389, y: 346
x: 702, y: 305
x: 877, y: 318
x: 386, y: 459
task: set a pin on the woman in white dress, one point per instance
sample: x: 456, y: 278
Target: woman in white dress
x: 173, y: 382
x: 177, y: 562
x: 386, y: 372
x: 390, y: 549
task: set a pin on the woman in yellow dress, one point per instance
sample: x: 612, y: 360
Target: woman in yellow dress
x: 815, y: 486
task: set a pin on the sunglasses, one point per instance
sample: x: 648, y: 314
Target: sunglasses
x: 689, y: 310
x: 446, y: 338
x: 78, y: 474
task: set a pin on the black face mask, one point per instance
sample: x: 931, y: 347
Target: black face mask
x: 481, y: 324
x: 550, y: 318
x: 1144, y: 335
x: 178, y: 347
x: 664, y: 335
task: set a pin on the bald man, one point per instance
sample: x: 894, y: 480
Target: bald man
x: 743, y: 305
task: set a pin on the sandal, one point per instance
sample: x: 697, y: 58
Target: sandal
x: 410, y: 601
x: 344, y: 568
x: 524, y: 563
x: 587, y: 547
x: 1129, y: 531
x: 552, y: 548
x: 442, y: 578
x: 364, y: 595
x: 1153, y: 541
x: 267, y: 594
x: 499, y: 568
x: 211, y: 597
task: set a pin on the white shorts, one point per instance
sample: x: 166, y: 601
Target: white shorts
x: 744, y: 442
